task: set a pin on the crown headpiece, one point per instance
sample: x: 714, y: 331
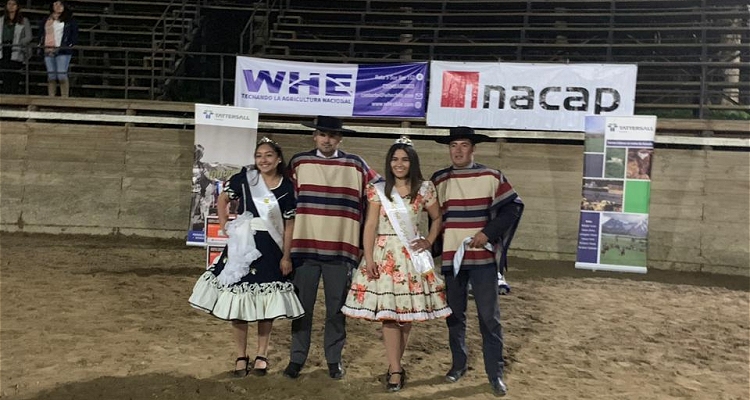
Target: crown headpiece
x: 266, y: 139
x: 404, y: 140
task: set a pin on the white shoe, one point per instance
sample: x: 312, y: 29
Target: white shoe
x: 502, y: 286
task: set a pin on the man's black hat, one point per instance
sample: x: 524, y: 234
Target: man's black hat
x: 328, y: 124
x: 463, y: 132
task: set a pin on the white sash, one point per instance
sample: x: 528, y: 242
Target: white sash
x: 268, y: 207
x: 400, y: 219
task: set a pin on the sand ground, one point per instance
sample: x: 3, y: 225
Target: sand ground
x: 107, y: 318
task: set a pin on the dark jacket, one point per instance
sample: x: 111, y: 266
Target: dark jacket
x: 69, y: 37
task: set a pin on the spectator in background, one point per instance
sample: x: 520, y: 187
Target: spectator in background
x: 59, y: 33
x: 16, y: 35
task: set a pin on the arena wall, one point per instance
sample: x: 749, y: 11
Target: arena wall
x: 103, y: 179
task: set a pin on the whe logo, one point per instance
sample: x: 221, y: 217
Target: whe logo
x: 314, y: 83
x: 456, y: 83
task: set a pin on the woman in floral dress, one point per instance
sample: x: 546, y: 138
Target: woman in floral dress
x: 395, y: 282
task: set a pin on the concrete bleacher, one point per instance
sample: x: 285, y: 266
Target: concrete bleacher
x: 686, y: 50
x: 125, y: 49
x: 691, y: 54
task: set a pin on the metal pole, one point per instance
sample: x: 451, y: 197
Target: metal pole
x: 127, y: 72
x: 221, y: 79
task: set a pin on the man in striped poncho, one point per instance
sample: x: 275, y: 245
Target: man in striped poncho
x: 330, y: 188
x: 480, y: 214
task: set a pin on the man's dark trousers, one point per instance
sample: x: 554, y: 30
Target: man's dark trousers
x: 484, y: 287
x: 336, y: 280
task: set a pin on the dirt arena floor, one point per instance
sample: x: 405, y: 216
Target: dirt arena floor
x: 107, y: 318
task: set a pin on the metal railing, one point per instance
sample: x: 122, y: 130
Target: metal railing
x: 172, y: 21
x: 129, y: 73
x: 249, y: 33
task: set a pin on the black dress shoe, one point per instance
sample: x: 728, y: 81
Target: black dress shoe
x: 292, y: 370
x: 335, y: 370
x: 455, y: 374
x: 498, y: 386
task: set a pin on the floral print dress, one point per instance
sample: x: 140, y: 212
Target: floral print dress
x: 401, y: 293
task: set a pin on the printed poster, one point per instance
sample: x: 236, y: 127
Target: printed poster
x: 212, y: 252
x: 616, y: 190
x: 225, y: 140
x: 527, y: 96
x: 342, y: 90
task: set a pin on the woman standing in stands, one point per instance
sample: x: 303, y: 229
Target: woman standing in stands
x: 248, y: 282
x: 395, y: 283
x: 16, y: 35
x: 59, y: 33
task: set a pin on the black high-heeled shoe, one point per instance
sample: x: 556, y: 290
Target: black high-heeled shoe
x: 260, y: 371
x: 395, y: 387
x: 241, y: 373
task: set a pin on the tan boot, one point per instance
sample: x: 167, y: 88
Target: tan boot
x: 52, y: 88
x: 64, y: 88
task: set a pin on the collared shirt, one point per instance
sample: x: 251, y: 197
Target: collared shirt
x: 470, y: 166
x: 334, y: 155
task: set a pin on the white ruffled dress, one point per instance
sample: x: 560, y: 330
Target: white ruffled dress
x: 263, y: 293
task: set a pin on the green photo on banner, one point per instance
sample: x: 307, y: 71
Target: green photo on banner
x: 616, y: 191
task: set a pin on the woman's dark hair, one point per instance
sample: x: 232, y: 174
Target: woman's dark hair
x: 18, y: 18
x: 415, y: 172
x: 67, y: 11
x: 281, y: 168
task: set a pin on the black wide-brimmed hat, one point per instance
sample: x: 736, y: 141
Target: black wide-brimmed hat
x: 463, y: 132
x: 327, y: 124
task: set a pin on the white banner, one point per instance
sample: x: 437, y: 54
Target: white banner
x: 225, y: 140
x: 292, y: 87
x: 207, y: 114
x: 552, y: 97
x: 226, y: 134
x: 616, y: 192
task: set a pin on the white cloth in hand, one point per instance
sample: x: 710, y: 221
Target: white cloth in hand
x: 241, y: 249
x: 458, y: 258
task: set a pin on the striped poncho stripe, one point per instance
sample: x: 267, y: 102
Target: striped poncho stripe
x: 330, y: 206
x: 467, y: 198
